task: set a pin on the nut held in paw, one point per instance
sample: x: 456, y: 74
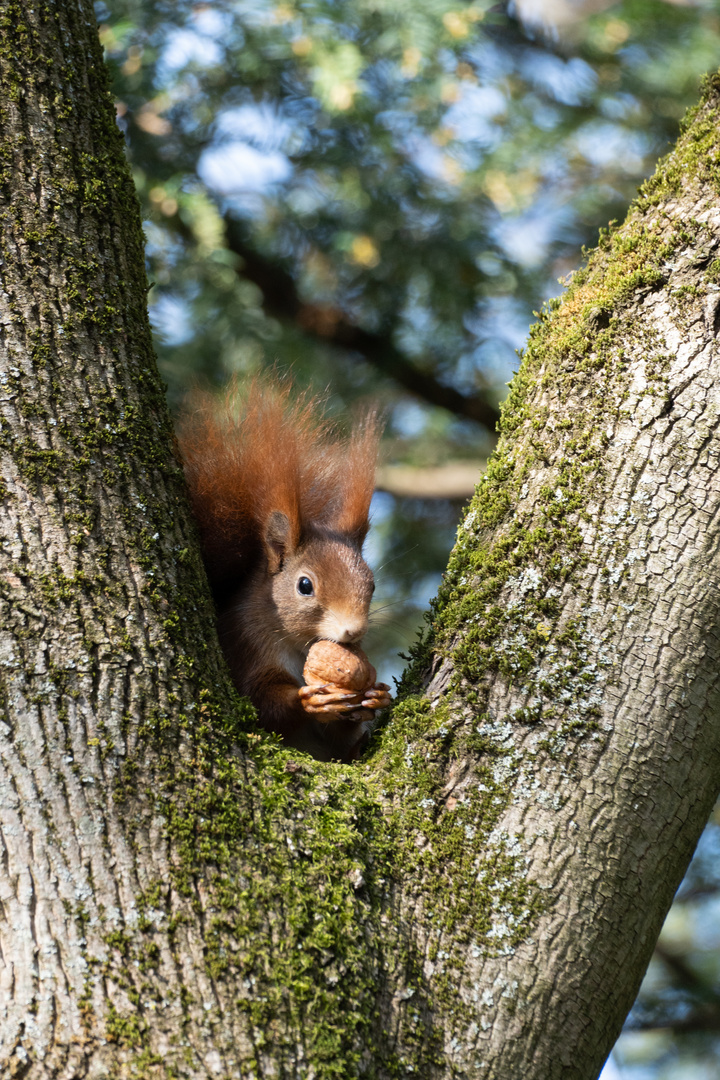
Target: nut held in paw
x: 328, y: 662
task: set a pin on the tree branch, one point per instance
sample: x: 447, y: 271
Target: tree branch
x: 702, y: 1020
x: 331, y: 326
x: 454, y: 480
x: 704, y: 1013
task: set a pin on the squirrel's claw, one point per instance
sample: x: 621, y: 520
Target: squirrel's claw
x: 310, y: 691
x: 328, y: 700
x: 377, y: 697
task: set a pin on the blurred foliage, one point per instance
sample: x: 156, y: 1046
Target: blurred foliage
x: 378, y: 194
x: 424, y: 170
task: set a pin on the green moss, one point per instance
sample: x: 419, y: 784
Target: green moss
x: 125, y: 1030
x: 697, y: 157
x: 448, y: 830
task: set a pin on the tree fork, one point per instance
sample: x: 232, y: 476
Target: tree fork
x: 181, y: 897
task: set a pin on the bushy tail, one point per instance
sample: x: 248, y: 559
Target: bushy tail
x: 260, y: 449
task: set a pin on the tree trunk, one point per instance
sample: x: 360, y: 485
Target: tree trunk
x: 181, y: 897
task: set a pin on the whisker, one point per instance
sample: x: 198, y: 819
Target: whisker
x: 385, y: 607
x: 403, y: 628
x: 399, y: 555
x: 408, y: 575
x: 284, y: 637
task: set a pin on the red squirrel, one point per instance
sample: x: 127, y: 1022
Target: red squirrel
x: 282, y: 503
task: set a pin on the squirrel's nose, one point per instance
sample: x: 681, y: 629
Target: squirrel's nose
x: 344, y: 627
x: 350, y: 633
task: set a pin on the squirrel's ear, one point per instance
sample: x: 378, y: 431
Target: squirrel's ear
x: 278, y: 540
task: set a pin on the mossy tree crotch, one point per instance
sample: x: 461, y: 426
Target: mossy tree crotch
x: 180, y: 896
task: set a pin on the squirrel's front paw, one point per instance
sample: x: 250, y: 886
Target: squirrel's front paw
x: 328, y: 702
x: 376, y: 697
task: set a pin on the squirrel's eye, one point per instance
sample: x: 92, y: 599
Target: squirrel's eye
x: 305, y: 586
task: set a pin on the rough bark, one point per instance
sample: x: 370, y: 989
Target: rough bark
x: 183, y: 898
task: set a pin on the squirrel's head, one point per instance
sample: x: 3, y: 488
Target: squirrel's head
x: 321, y: 586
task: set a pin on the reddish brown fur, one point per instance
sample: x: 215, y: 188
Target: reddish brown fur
x: 259, y: 451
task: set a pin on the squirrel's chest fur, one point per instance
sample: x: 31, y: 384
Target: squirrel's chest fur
x: 292, y: 661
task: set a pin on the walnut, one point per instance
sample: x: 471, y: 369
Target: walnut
x: 339, y: 665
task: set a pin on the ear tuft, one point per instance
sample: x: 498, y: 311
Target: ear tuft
x: 278, y: 540
x: 356, y: 458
